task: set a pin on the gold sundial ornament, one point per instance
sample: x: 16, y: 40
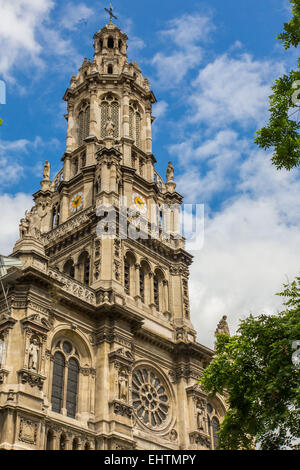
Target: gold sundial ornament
x: 110, y: 12
x: 76, y: 202
x: 139, y: 203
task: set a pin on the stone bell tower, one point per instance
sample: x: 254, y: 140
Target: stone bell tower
x: 97, y: 347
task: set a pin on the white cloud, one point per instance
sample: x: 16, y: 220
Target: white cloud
x: 233, y: 90
x: 184, y: 35
x: 19, y: 24
x: 159, y: 109
x: 250, y: 246
x: 74, y: 14
x: 12, y: 210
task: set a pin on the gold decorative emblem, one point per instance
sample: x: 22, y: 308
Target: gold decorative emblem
x: 139, y: 202
x: 76, y: 202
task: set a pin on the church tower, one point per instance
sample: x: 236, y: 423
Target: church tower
x: 97, y: 349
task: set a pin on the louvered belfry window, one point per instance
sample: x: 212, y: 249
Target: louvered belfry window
x: 135, y: 125
x: 127, y: 277
x: 156, y: 292
x: 142, y: 285
x: 83, y: 125
x: 58, y: 382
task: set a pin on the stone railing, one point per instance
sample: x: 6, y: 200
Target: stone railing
x: 68, y: 226
x: 73, y: 287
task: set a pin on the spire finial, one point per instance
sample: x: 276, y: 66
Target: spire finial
x: 110, y: 12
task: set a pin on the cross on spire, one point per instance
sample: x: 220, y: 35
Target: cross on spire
x: 110, y: 12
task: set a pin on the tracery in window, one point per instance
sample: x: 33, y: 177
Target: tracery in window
x: 65, y: 385
x: 215, y: 429
x: 110, y: 111
x: 150, y: 399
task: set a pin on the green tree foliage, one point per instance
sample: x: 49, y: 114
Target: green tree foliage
x: 282, y: 131
x: 255, y: 370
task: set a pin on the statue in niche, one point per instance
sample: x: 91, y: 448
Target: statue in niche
x: 46, y: 172
x: 33, y: 355
x: 170, y: 173
x: 2, y: 352
x: 200, y: 409
x: 222, y: 327
x: 123, y: 386
x: 109, y: 128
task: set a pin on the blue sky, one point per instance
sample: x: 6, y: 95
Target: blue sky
x: 211, y: 65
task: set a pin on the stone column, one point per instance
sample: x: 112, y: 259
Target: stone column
x: 137, y: 282
x: 148, y: 131
x: 166, y: 295
x: 71, y: 134
x: 93, y: 113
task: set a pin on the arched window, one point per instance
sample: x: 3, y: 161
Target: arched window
x: 75, y: 166
x: 159, y: 282
x: 72, y: 387
x: 82, y: 160
x: 110, y: 111
x: 69, y: 268
x: 142, y: 285
x: 120, y: 44
x: 145, y: 282
x: 215, y: 429
x: 110, y: 69
x: 101, y: 45
x: 62, y: 442
x: 75, y: 444
x: 87, y: 446
x: 65, y: 382
x: 49, y: 441
x: 55, y: 215
x: 129, y: 274
x: 84, y: 268
x: 110, y: 43
x: 83, y: 125
x: 58, y: 382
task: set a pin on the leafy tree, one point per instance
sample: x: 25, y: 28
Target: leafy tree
x: 282, y: 131
x: 258, y: 373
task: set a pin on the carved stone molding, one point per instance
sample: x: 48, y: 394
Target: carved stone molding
x: 121, y: 358
x: 6, y: 324
x: 3, y: 375
x: 73, y: 287
x: 28, y: 431
x: 123, y: 409
x: 200, y: 439
x: 184, y: 372
x: 32, y: 378
x: 69, y: 226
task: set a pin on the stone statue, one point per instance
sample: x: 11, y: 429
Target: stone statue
x: 23, y: 227
x: 46, y: 173
x: 123, y: 387
x: 170, y: 173
x: 222, y: 327
x: 33, y: 355
x: 109, y: 128
x: 200, y: 416
x: 2, y: 352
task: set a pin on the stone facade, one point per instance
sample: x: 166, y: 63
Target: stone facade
x: 97, y: 347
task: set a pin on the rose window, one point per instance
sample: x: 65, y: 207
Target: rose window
x: 149, y: 397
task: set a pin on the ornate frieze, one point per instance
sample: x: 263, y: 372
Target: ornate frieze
x: 75, y: 288
x: 200, y: 439
x: 121, y: 408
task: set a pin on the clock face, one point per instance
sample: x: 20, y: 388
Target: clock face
x: 76, y: 202
x: 139, y: 203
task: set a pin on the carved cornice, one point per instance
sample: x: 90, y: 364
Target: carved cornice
x: 69, y: 226
x: 6, y: 323
x: 121, y: 408
x: 32, y: 378
x: 201, y: 439
x: 75, y: 288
